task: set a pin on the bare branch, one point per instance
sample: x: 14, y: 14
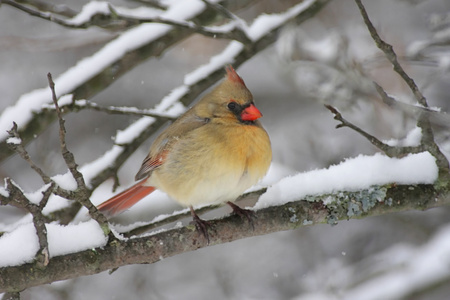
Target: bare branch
x: 405, y: 107
x: 20, y: 149
x: 388, y: 150
x: 391, y: 56
x: 82, y: 190
x: 113, y: 110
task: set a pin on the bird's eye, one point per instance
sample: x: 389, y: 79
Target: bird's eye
x: 232, y: 106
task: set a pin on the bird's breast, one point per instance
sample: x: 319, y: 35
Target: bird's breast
x: 214, y: 163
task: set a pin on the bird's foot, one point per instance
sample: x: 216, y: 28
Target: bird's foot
x: 243, y: 213
x: 201, y: 225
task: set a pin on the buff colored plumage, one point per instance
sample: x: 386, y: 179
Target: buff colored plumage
x: 211, y: 154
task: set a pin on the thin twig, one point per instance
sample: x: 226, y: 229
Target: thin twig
x: 20, y: 149
x: 240, y: 23
x: 39, y: 14
x: 82, y: 190
x: 391, y: 56
x: 388, y: 150
x: 79, y: 105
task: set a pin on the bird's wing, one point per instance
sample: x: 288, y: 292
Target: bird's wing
x: 165, y: 141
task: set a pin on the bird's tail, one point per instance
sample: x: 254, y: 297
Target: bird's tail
x: 125, y: 199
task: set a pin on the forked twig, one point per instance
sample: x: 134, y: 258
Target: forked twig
x: 390, y: 151
x: 391, y: 56
x: 82, y: 190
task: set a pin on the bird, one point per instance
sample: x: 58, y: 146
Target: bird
x: 211, y: 154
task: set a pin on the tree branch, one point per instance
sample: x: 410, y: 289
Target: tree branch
x: 391, y: 56
x: 82, y: 191
x: 79, y: 105
x: 153, y: 248
x: 59, y: 9
x: 427, y: 141
x: 178, y: 216
x: 390, y: 151
x: 20, y: 149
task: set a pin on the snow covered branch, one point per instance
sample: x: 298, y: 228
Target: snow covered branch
x: 155, y: 247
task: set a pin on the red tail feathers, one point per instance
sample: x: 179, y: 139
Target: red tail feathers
x: 125, y: 199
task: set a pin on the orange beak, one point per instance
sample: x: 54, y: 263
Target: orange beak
x: 251, y: 113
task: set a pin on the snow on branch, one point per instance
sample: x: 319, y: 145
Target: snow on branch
x: 155, y: 247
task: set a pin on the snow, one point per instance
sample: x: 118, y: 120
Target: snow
x: 28, y: 218
x: 88, y: 11
x: 65, y: 100
x: 36, y: 196
x: 411, y: 140
x: 14, y: 141
x: 131, y: 132
x: 65, y: 181
x: 138, y: 12
x: 172, y: 97
x: 226, y: 57
x: 202, y: 72
x: 3, y: 192
x: 93, y: 168
x: 353, y: 174
x: 20, y: 245
x: 55, y: 203
x: 266, y: 23
x: 74, y: 237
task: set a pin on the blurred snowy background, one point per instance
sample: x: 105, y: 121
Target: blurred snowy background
x: 329, y: 59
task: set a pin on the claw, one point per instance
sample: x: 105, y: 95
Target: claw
x: 200, y: 224
x: 243, y: 213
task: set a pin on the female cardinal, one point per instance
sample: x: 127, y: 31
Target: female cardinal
x: 211, y: 154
